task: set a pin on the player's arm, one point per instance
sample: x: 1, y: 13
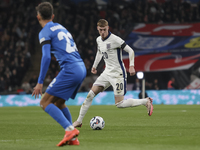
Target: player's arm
x: 45, y: 62
x: 131, y: 53
x: 96, y: 62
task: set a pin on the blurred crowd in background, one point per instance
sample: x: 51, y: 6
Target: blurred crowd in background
x: 19, y: 30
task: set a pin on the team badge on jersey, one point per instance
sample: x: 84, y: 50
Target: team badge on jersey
x: 108, y: 46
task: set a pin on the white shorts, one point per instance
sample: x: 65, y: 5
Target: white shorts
x: 118, y: 83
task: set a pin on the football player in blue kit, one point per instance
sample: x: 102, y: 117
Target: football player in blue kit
x: 57, y: 40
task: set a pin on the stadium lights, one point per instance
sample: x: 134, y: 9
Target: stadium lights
x: 140, y: 75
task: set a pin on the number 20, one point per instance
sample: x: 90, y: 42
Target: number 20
x: 119, y: 86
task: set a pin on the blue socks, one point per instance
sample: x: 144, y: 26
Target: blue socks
x: 58, y: 115
x: 67, y: 114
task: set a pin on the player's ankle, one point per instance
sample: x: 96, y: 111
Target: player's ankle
x: 70, y: 128
x: 78, y: 121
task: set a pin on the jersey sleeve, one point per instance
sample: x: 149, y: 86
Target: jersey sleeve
x: 45, y: 41
x: 45, y: 37
x: 98, y: 56
x: 119, y: 42
x: 45, y: 62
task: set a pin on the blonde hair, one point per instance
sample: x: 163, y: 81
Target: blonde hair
x: 102, y: 23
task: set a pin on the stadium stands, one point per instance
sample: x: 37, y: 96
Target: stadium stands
x: 17, y: 33
x: 19, y: 30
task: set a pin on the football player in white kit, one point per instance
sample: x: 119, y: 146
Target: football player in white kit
x: 110, y: 48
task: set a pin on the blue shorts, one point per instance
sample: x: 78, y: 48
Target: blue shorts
x: 66, y: 84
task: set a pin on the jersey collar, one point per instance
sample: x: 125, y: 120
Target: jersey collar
x: 48, y: 23
x: 109, y: 33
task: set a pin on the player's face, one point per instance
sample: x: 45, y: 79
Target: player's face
x: 103, y: 31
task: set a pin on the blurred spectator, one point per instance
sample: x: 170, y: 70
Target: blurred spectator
x: 87, y: 83
x: 137, y: 85
x: 47, y: 80
x: 33, y: 81
x: 155, y: 85
x: 26, y: 87
x: 148, y: 85
x: 7, y: 71
x: 15, y: 79
x: 8, y: 86
x: 169, y: 84
x: 2, y: 84
x: 172, y: 84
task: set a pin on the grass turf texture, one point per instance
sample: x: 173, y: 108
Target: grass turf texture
x: 171, y: 127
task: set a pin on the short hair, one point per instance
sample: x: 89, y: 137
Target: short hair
x: 102, y: 23
x: 45, y: 9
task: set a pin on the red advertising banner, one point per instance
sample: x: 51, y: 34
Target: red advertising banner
x: 164, y: 47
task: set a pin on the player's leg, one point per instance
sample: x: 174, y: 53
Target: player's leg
x: 60, y: 103
x: 87, y: 103
x: 130, y: 102
x: 121, y: 103
x: 135, y: 102
x: 65, y: 86
x: 47, y: 104
x: 71, y: 133
x: 100, y: 85
x: 119, y: 87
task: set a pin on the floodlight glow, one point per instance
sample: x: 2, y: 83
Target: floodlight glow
x: 140, y: 75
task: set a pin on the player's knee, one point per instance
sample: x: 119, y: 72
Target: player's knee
x: 97, y: 89
x: 90, y: 96
x: 42, y: 105
x: 120, y: 104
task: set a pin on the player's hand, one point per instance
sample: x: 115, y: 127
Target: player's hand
x: 93, y: 70
x: 37, y: 90
x: 132, y: 70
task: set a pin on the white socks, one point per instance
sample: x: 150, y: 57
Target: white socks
x: 85, y: 106
x: 123, y: 104
x: 70, y: 128
x: 131, y: 103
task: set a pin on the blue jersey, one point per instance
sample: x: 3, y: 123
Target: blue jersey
x: 57, y: 40
x: 62, y: 44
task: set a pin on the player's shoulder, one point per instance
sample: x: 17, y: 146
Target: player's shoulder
x: 98, y: 39
x: 115, y: 37
x: 51, y: 27
x: 45, y: 30
x: 56, y: 26
x: 116, y: 40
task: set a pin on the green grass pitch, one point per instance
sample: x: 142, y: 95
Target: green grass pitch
x: 171, y: 127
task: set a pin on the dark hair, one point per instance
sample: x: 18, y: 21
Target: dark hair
x: 45, y: 9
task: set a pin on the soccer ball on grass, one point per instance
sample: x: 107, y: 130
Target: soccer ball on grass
x: 97, y: 123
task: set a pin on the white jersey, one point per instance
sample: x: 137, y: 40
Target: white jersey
x: 111, y: 49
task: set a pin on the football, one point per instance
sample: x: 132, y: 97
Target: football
x: 97, y: 123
